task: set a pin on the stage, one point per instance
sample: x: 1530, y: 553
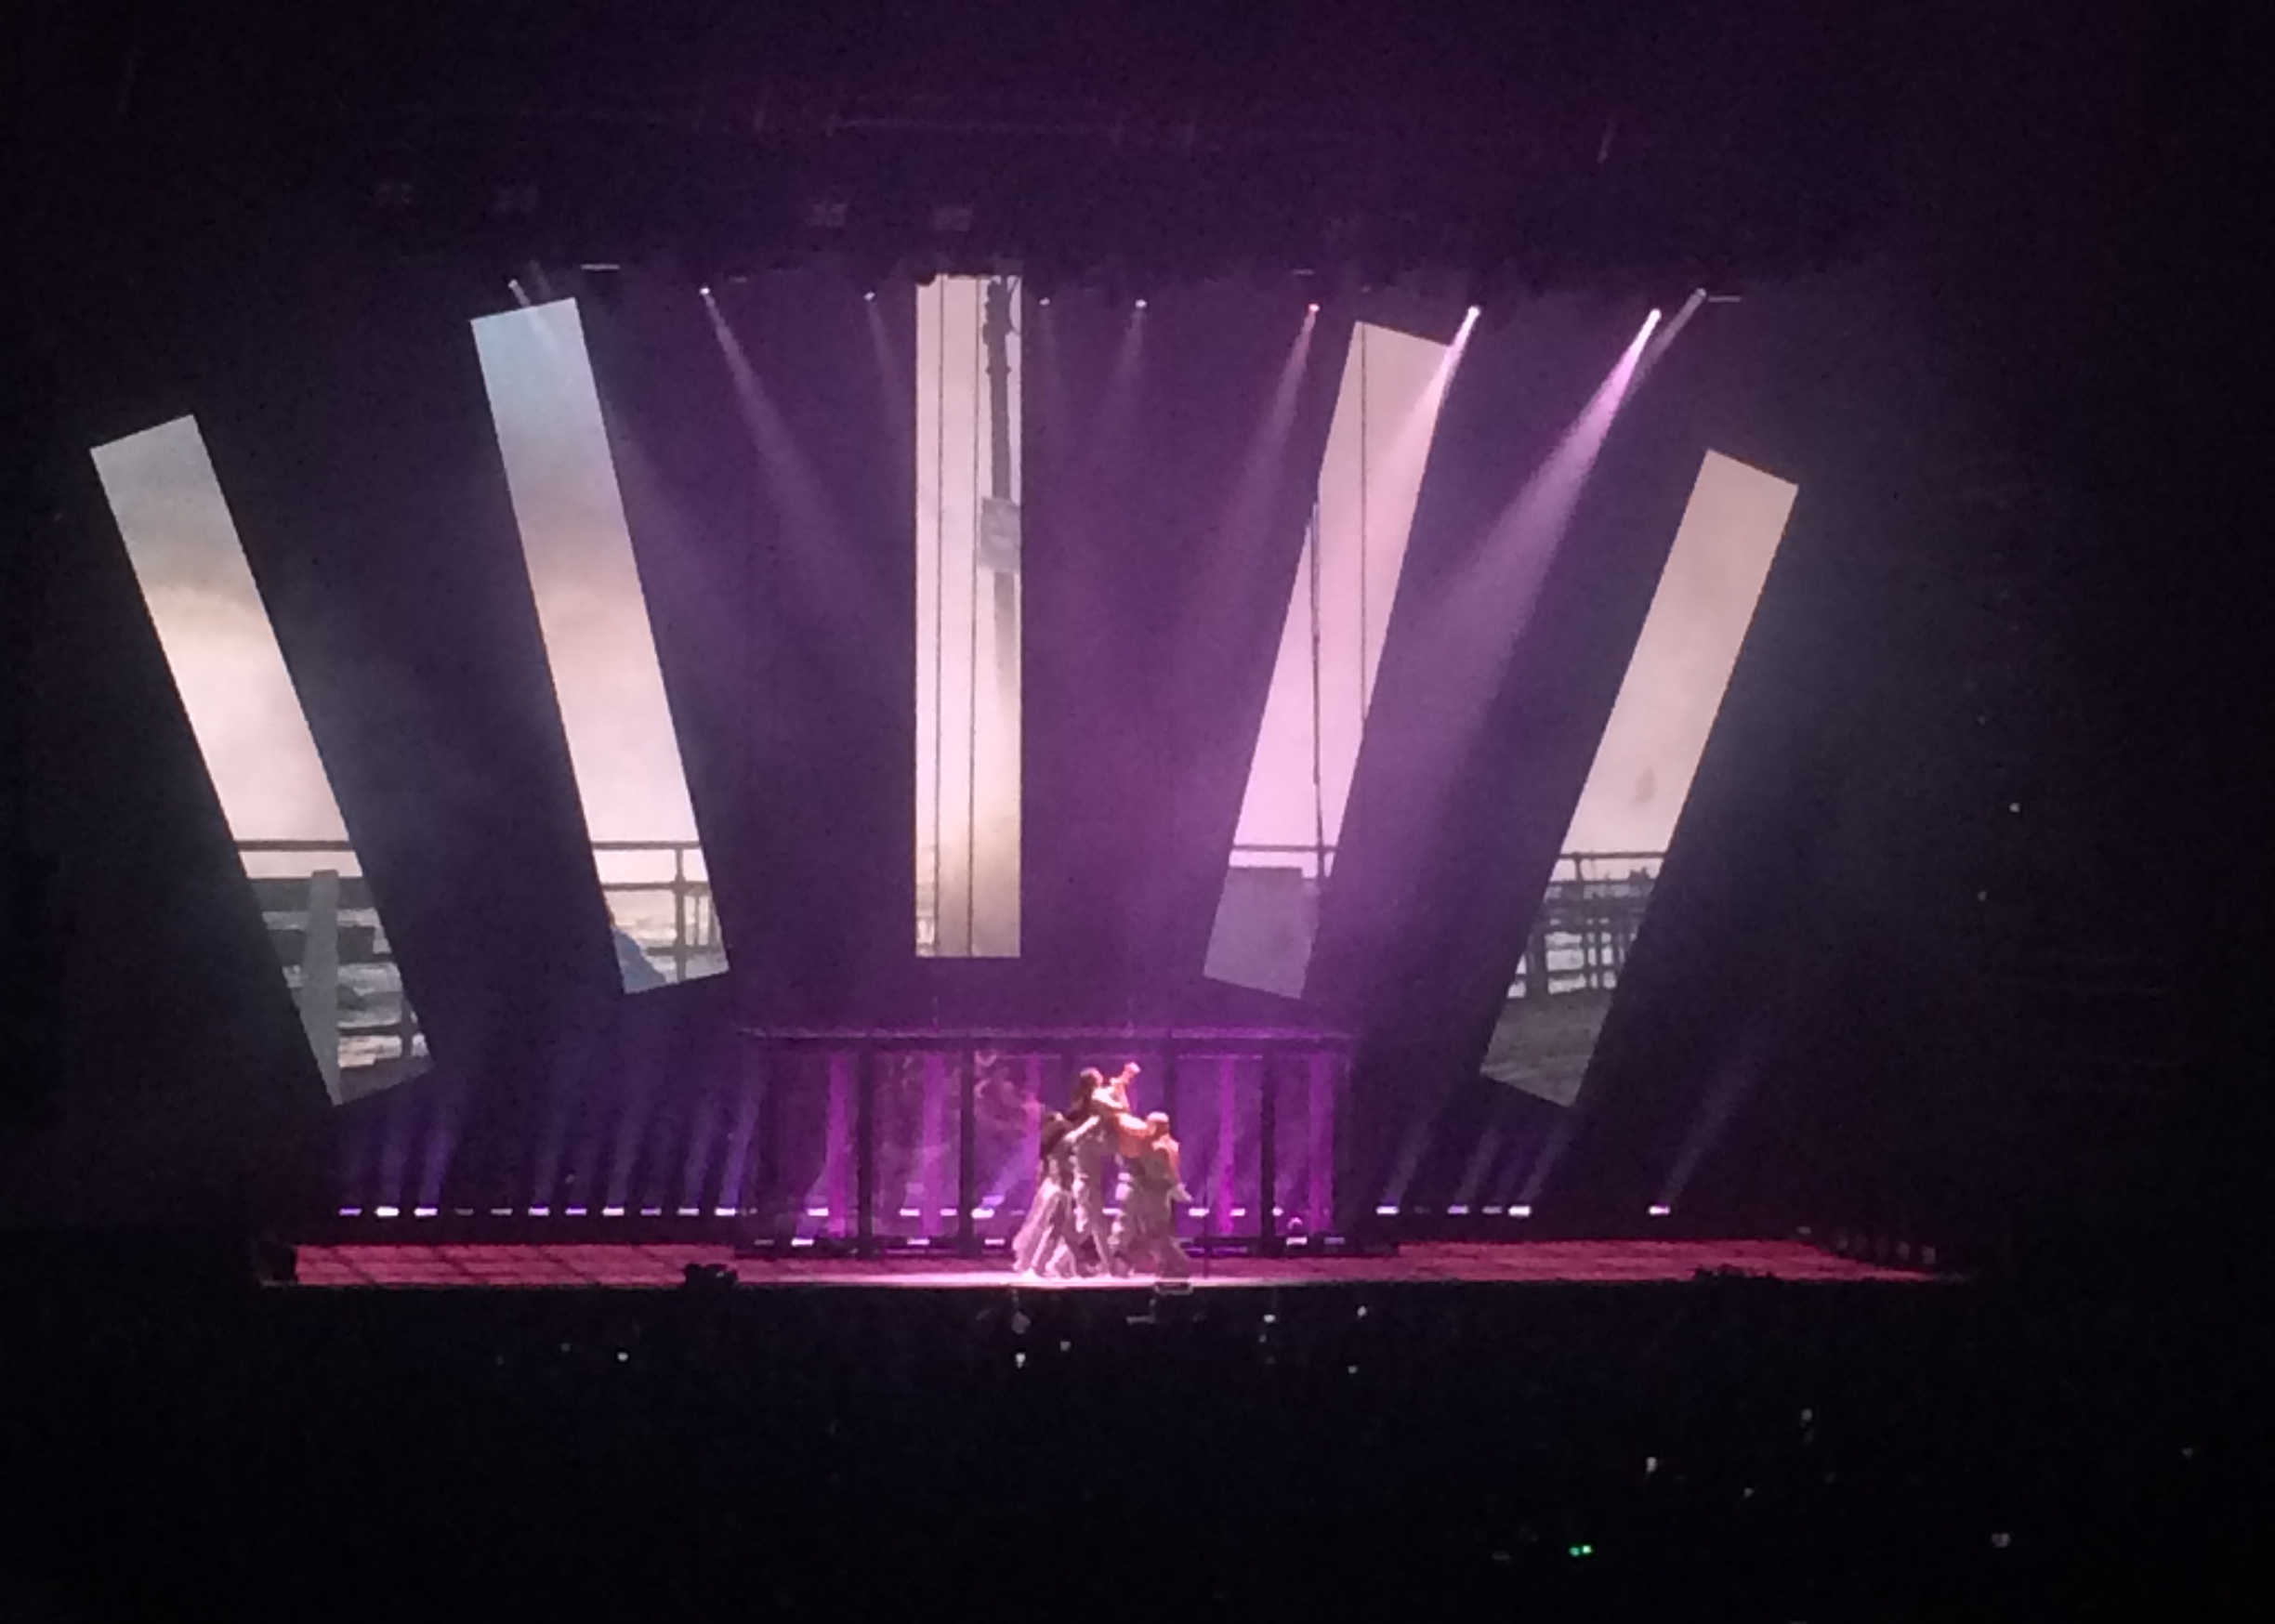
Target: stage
x: 1607, y: 1263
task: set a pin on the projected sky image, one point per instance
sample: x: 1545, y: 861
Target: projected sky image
x: 592, y: 614
x: 1577, y: 948
x: 968, y: 764
x: 1330, y: 647
x: 261, y: 758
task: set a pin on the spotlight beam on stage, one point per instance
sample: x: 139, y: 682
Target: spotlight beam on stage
x: 1502, y: 587
x: 1313, y: 727
x: 1218, y: 611
x: 1492, y: 603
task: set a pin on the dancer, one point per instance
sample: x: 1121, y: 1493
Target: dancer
x: 1106, y: 1101
x: 1144, y: 1239
x: 1048, y: 1245
x: 1093, y: 1175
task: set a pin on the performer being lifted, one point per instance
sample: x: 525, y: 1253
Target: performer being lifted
x: 1106, y: 1101
x: 1066, y: 1233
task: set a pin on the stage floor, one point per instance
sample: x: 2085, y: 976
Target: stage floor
x: 1502, y: 1262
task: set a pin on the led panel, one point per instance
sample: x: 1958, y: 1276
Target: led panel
x: 968, y: 619
x: 1330, y: 645
x: 1642, y: 775
x: 593, y: 616
x: 250, y: 730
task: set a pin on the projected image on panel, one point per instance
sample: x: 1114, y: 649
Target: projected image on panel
x: 601, y: 648
x: 1577, y: 949
x: 968, y: 618
x: 1331, y: 643
x: 255, y: 739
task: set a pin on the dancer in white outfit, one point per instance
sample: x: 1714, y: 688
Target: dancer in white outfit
x: 1048, y: 1246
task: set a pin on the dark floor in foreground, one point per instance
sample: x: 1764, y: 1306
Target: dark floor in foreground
x: 1402, y: 1445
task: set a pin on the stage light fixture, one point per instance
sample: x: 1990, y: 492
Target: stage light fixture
x: 1660, y: 1209
x: 1140, y: 304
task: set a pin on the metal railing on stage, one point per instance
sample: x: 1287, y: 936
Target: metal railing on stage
x: 1579, y: 939
x: 929, y: 1139
x: 342, y: 971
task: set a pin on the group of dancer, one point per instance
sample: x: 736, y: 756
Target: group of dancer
x: 1067, y: 1235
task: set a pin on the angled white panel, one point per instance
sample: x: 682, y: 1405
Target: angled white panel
x: 1331, y: 643
x: 1644, y: 766
x: 599, y: 644
x: 250, y: 730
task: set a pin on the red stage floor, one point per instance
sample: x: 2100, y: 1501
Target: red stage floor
x: 1506, y: 1262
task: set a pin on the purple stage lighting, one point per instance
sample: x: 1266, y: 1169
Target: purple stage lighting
x: 1308, y: 740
